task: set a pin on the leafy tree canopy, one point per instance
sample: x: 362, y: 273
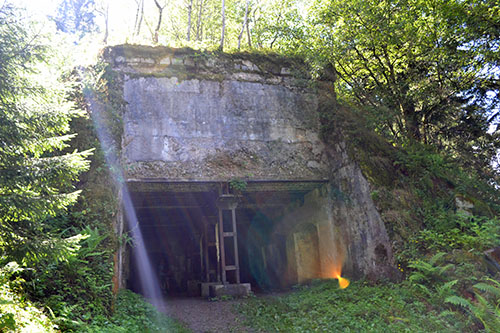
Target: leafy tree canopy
x: 76, y: 17
x: 427, y: 71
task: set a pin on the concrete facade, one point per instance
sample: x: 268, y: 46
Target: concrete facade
x: 206, y: 118
x: 192, y: 116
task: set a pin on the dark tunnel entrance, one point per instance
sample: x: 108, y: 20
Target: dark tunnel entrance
x: 187, y: 249
x: 172, y: 224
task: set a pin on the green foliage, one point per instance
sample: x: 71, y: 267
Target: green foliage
x: 37, y: 176
x: 277, y: 25
x: 464, y: 232
x: 77, y: 288
x: 486, y: 307
x: 417, y: 67
x: 238, y: 184
x: 432, y: 182
x: 422, y: 161
x: 359, y: 308
x: 429, y: 270
x: 134, y: 314
x: 16, y: 313
x: 442, y: 283
x: 64, y: 252
x: 430, y: 277
x: 102, y: 85
x: 419, y: 74
x: 222, y: 298
x: 441, y: 176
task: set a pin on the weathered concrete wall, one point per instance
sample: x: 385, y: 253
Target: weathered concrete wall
x: 216, y: 118
x: 369, y: 250
x: 202, y: 116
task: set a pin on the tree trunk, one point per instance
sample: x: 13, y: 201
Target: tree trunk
x: 190, y: 9
x: 139, y: 14
x: 221, y: 46
x: 106, y: 27
x: 158, y: 25
x: 276, y: 35
x: 199, y: 22
x: 412, y: 124
x: 103, y: 9
x: 248, y: 34
x: 259, y: 41
x: 245, y: 23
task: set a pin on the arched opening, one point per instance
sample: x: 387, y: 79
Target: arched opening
x: 306, y: 248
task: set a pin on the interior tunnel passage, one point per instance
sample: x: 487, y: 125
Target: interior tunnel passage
x: 180, y: 227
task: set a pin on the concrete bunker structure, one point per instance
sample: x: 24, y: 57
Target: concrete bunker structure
x: 231, y: 182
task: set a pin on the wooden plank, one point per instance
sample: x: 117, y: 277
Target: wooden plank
x: 235, y: 238
x: 221, y: 249
x: 202, y: 252
x: 217, y: 250
x: 205, y: 247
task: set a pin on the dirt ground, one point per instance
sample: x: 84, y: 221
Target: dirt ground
x: 203, y: 316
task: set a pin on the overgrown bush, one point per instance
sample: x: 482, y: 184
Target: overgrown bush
x: 77, y: 287
x: 16, y: 313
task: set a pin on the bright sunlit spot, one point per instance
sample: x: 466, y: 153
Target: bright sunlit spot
x: 343, y: 282
x: 337, y: 274
x: 336, y: 262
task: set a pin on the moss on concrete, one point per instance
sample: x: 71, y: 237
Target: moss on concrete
x: 168, y: 61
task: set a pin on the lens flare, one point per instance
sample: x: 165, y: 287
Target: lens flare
x: 343, y: 282
x: 149, y: 281
x: 335, y: 259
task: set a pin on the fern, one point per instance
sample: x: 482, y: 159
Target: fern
x: 437, y: 257
x: 486, y: 310
x: 487, y: 313
x: 417, y: 277
x: 430, y: 278
x: 459, y: 301
x: 494, y: 290
x: 447, y: 313
x: 442, y: 269
x: 446, y: 288
x: 424, y: 289
x: 429, y: 270
x: 485, y: 306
